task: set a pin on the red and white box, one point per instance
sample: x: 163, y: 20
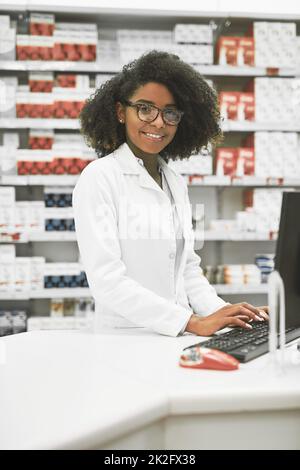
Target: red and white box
x: 41, y: 82
x: 35, y: 105
x: 245, y: 161
x: 229, y: 104
x: 41, y: 24
x: 245, y: 51
x: 227, y: 50
x: 34, y: 47
x: 226, y: 161
x: 33, y: 162
x: 246, y: 106
x: 41, y: 48
x: 23, y: 47
x: 75, y: 42
x: 41, y: 139
x: 68, y: 102
x: 80, y: 82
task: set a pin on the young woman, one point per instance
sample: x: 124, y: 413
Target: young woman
x: 132, y: 211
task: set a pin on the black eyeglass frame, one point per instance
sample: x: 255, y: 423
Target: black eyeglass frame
x: 159, y: 110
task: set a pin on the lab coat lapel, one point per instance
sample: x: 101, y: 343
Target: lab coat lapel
x: 177, y: 190
x: 130, y: 165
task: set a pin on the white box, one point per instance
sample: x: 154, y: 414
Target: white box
x: 8, y: 86
x: 37, y: 216
x: 22, y: 274
x: 193, y: 33
x: 37, y: 271
x: 22, y: 215
x: 7, y: 253
x: 7, y: 276
x: 7, y: 43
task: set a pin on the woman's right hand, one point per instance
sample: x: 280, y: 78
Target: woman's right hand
x: 227, y: 316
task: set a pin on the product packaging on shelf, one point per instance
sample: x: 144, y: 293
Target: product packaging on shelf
x: 226, y: 161
x: 275, y: 44
x: 8, y: 153
x: 34, y: 47
x: 68, y: 102
x: 34, y: 105
x: 75, y: 42
x: 22, y: 274
x: 197, y: 54
x: 41, y: 24
x: 234, y: 50
x: 8, y: 87
x: 7, y: 208
x: 237, y: 106
x: 41, y: 81
x: 12, y: 322
x: 193, y: 33
x: 78, y: 81
x: 7, y: 39
x: 7, y: 268
x: 41, y: 139
x: 37, y: 269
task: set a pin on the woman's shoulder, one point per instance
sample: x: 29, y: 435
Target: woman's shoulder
x: 101, y: 167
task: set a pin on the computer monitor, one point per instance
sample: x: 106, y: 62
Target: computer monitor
x: 287, y: 258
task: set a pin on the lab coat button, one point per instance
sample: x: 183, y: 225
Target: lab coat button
x: 172, y: 255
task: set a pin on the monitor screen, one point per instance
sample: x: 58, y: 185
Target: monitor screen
x: 287, y: 258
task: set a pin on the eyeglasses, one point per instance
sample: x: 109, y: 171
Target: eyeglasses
x: 149, y: 112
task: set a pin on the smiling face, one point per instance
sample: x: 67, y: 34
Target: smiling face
x: 148, y: 137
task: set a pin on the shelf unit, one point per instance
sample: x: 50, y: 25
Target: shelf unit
x: 65, y: 236
x: 209, y: 189
x: 192, y: 180
x: 79, y: 292
x: 228, y: 126
x: 98, y: 67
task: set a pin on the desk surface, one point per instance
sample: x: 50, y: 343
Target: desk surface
x: 68, y: 388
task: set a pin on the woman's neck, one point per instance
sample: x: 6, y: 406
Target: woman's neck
x: 150, y: 160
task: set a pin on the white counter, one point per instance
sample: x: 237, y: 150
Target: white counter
x: 125, y: 390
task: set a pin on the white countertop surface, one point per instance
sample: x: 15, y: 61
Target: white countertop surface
x: 68, y: 389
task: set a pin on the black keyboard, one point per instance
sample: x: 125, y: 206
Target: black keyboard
x: 246, y: 345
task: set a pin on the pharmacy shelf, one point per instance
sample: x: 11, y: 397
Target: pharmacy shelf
x: 98, y: 67
x: 211, y: 235
x: 252, y: 126
x: 245, y: 181
x: 59, y: 66
x: 39, y: 180
x: 192, y: 180
x: 75, y: 292
x: 227, y: 126
x: 26, y: 237
x: 222, y: 289
x: 228, y: 289
x: 65, y: 236
x: 38, y: 123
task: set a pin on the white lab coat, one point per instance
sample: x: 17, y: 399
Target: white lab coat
x: 125, y: 232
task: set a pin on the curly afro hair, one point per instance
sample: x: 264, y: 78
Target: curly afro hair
x: 198, y: 128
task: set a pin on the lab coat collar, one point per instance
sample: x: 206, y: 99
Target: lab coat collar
x: 130, y: 165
